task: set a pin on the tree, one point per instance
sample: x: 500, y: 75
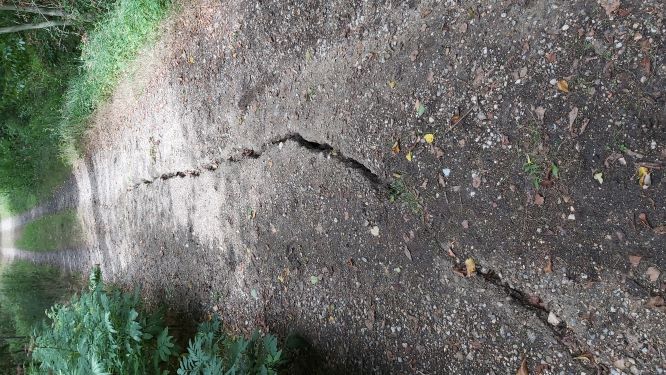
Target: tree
x: 66, y: 18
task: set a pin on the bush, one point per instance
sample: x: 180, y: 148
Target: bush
x: 102, y: 332
x: 212, y: 352
x: 108, y: 332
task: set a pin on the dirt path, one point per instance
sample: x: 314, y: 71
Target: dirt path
x: 247, y: 168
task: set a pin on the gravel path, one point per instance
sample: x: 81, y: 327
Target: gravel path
x: 329, y: 168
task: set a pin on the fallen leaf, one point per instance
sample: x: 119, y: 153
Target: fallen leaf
x: 549, y: 266
x: 634, y: 260
x: 646, y: 65
x: 522, y: 370
x: 660, y: 230
x: 599, y: 176
x: 414, y: 55
x: 374, y: 231
x: 395, y: 149
x: 583, y: 126
x: 409, y: 156
x: 254, y: 294
x: 392, y: 84
x: 408, y: 253
x: 540, y: 112
x: 538, y: 199
x: 455, y: 119
x: 479, y: 76
x: 609, y: 6
x: 657, y: 302
x: 476, y: 181
x: 314, y: 280
x: 553, y: 319
x: 470, y: 265
x: 465, y: 224
x: 429, y: 138
x: 551, y: 57
x: 611, y: 159
x: 563, y: 85
x: 642, y: 218
x: 652, y: 274
x: 573, y: 114
x: 420, y: 108
x: 644, y: 178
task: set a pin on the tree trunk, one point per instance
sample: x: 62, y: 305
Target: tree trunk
x: 35, y: 9
x: 33, y: 26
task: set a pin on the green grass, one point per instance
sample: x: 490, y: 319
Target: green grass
x: 52, y: 82
x: 52, y: 232
x: 108, y: 53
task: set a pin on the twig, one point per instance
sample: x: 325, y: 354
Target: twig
x: 457, y: 122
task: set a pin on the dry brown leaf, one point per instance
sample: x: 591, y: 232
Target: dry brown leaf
x: 642, y: 219
x: 395, y: 149
x: 538, y: 199
x: 609, y: 6
x: 476, y: 181
x: 540, y: 112
x: 573, y: 114
x: 549, y: 266
x: 634, y: 260
x: 522, y: 370
x: 583, y: 126
x: 563, y: 85
x: 551, y: 57
x: 652, y: 274
x: 660, y: 230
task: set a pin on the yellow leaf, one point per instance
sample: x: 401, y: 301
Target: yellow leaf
x: 191, y: 60
x: 409, y: 156
x: 396, y: 148
x: 430, y: 138
x: 599, y: 176
x: 563, y: 85
x: 471, y: 267
x: 644, y: 178
x: 392, y: 84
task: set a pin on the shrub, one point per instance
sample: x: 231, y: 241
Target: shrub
x: 107, y: 332
x: 102, y: 332
x: 213, y: 352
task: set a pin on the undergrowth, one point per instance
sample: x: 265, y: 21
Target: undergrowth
x: 106, y: 331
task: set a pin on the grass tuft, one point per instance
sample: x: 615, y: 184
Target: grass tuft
x: 105, y: 56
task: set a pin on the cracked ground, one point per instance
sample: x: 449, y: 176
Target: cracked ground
x: 333, y: 168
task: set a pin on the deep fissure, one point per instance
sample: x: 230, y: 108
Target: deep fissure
x: 534, y: 304
x: 311, y: 146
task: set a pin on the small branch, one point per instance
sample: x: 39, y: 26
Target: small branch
x: 35, y: 9
x: 33, y: 26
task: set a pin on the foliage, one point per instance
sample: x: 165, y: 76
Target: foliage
x: 533, y: 171
x: 26, y: 291
x: 398, y: 190
x: 51, y: 80
x: 106, y: 331
x: 213, y: 353
x: 102, y: 332
x: 51, y: 232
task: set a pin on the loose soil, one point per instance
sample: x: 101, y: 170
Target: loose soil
x: 249, y: 167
